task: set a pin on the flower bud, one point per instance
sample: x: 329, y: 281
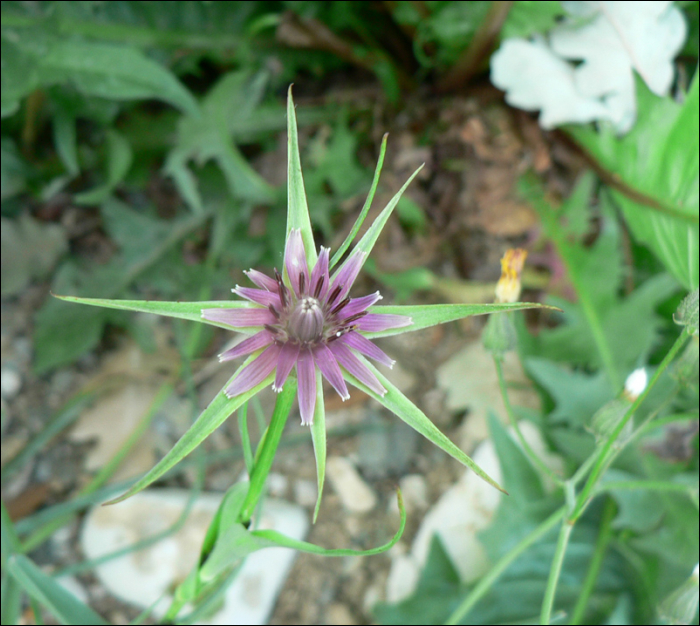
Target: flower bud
x: 509, y: 286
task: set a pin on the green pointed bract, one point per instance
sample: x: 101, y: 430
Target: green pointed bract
x: 218, y: 411
x: 318, y: 436
x: 403, y: 408
x: 297, y: 209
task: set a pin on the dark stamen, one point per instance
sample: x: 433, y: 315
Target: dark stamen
x: 357, y: 316
x: 282, y: 290
x: 274, y: 311
x: 271, y: 329
x: 334, y: 294
x: 319, y: 286
x: 339, y: 306
x: 302, y: 283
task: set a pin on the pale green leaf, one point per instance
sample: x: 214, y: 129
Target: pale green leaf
x: 119, y: 157
x: 403, y: 408
x: 64, y: 606
x: 427, y: 315
x: 297, y: 208
x: 218, y: 411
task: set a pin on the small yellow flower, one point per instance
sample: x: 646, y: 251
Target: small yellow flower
x: 509, y: 287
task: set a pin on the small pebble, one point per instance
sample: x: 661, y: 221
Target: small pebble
x: 355, y: 493
x: 10, y: 382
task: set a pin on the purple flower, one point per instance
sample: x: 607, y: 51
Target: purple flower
x: 306, y: 320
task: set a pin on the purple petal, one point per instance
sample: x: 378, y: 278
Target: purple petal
x: 329, y: 368
x: 306, y: 373
x: 377, y: 322
x: 255, y: 372
x: 251, y: 344
x: 285, y: 363
x: 366, y: 347
x: 353, y: 365
x: 239, y: 317
x: 259, y: 296
x: 358, y: 305
x: 262, y: 280
x: 320, y: 272
x: 346, y: 275
x: 295, y: 260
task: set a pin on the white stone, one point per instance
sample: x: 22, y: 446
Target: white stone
x: 403, y: 578
x: 10, y: 382
x: 354, y: 492
x: 142, y: 577
x: 415, y: 491
x: 277, y: 484
x: 461, y: 512
x: 305, y: 492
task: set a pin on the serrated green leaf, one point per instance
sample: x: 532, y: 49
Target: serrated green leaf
x: 218, y: 411
x: 210, y: 136
x: 427, y: 315
x: 64, y: 606
x: 405, y: 410
x: 297, y: 208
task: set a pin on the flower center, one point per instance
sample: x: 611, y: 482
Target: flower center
x: 306, y: 320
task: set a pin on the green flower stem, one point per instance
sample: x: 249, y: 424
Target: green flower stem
x: 44, y: 532
x: 531, y: 454
x: 483, y: 586
x: 265, y: 454
x: 604, y: 453
x: 601, y: 546
x: 555, y: 571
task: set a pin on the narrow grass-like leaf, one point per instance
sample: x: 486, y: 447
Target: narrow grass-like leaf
x: 427, y: 315
x: 64, y: 606
x: 211, y: 418
x: 236, y: 543
x: 181, y: 310
x: 318, y: 435
x: 403, y: 408
x: 370, y: 237
x: 297, y: 208
x: 365, y: 208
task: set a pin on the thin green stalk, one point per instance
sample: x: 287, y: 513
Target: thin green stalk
x: 265, y: 454
x: 531, y: 454
x: 36, y: 610
x: 601, y: 547
x: 483, y: 586
x: 602, y: 456
x: 555, y: 571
